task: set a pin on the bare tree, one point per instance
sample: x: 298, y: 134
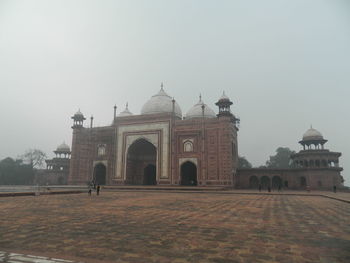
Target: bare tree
x: 34, y: 157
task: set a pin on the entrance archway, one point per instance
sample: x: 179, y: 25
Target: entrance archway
x: 100, y: 174
x: 253, y: 182
x: 141, y: 163
x: 265, y: 182
x: 302, y: 181
x: 188, y: 174
x: 276, y: 182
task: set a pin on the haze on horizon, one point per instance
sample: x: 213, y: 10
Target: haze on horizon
x: 285, y: 64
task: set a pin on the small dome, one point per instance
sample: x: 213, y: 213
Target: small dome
x: 78, y: 116
x: 63, y: 148
x: 196, y: 111
x: 312, y: 135
x: 160, y: 103
x: 126, y: 112
x: 224, y: 97
x: 78, y: 113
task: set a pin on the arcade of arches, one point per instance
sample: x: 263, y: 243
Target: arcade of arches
x: 275, y: 182
x: 141, y: 163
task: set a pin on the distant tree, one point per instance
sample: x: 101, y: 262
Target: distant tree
x: 14, y: 172
x: 34, y: 157
x: 281, y: 159
x: 243, y: 162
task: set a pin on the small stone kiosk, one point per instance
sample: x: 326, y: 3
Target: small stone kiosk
x: 320, y: 165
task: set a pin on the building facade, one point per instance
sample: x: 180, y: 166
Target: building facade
x: 314, y: 167
x: 158, y: 146
x: 162, y: 147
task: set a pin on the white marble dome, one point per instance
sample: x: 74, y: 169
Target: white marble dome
x: 63, y: 148
x: 161, y: 103
x: 126, y: 112
x: 312, y: 134
x: 196, y: 111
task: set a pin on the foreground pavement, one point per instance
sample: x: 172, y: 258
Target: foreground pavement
x: 176, y: 227
x: 21, y: 258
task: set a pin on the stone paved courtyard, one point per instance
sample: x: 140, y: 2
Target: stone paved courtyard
x: 177, y: 227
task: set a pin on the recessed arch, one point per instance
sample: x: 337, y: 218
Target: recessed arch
x: 276, y: 182
x: 189, y: 174
x: 188, y: 146
x: 253, y: 182
x: 265, y: 182
x: 100, y: 172
x: 302, y: 181
x: 141, y: 163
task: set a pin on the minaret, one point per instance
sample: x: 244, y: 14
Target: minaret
x: 224, y: 104
x: 78, y: 120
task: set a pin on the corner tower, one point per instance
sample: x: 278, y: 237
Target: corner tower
x: 78, y: 121
x: 319, y: 166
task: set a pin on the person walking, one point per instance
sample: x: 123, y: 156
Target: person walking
x: 334, y: 189
x: 98, y: 189
x: 89, y: 191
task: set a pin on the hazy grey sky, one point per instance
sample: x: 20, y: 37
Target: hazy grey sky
x: 285, y: 65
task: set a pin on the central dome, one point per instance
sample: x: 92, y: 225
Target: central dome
x: 161, y: 103
x: 312, y: 135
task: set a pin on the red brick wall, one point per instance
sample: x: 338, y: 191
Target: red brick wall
x: 212, y: 141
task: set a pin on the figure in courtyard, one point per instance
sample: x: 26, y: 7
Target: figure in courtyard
x: 269, y: 189
x: 98, y: 189
x: 334, y: 189
x: 89, y: 191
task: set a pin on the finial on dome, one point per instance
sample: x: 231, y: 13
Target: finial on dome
x: 127, y: 105
x: 200, y: 97
x: 161, y: 85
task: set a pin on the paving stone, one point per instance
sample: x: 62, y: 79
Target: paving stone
x: 177, y: 227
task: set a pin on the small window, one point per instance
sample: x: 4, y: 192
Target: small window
x: 101, y: 150
x: 188, y: 146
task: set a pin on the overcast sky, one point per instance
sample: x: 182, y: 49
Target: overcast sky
x: 285, y: 65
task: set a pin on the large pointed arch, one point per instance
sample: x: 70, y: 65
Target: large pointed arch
x: 141, y: 163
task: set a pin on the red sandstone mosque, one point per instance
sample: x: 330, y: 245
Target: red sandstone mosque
x: 160, y: 146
